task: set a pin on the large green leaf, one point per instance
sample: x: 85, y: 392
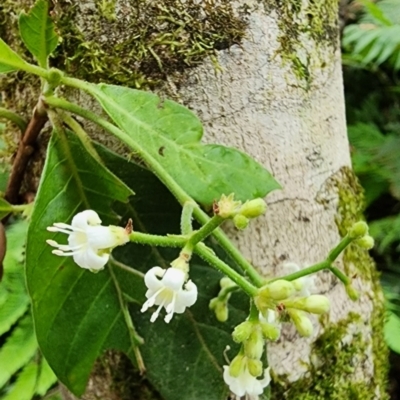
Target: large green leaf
x: 37, y: 32
x: 9, y: 59
x: 171, y: 134
x: 14, y: 300
x: 77, y: 313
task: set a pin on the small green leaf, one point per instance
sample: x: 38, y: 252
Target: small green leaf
x: 18, y: 349
x: 38, y: 33
x: 5, y: 208
x: 9, y: 59
x: 171, y: 135
x: 47, y: 378
x: 392, y: 332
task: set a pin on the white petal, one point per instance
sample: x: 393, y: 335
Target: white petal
x: 186, y: 298
x: 85, y: 218
x: 101, y: 237
x: 151, y: 278
x: 174, y: 279
x: 90, y: 259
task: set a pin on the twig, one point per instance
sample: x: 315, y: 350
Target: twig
x: 24, y: 152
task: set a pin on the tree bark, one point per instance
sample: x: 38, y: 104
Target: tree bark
x: 278, y: 95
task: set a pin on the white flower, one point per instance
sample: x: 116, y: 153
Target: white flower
x: 89, y: 243
x: 245, y: 383
x: 171, y: 292
x: 305, y: 285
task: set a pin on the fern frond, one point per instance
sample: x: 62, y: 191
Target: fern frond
x: 47, y: 378
x: 18, y: 349
x: 24, y: 387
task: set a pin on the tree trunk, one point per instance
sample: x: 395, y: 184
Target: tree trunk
x: 277, y: 94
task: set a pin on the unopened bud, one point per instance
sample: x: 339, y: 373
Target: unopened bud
x: 254, y: 345
x: 301, y: 321
x: 315, y: 304
x: 220, y: 309
x: 255, y: 367
x: 226, y: 282
x: 242, y: 331
x: 351, y: 292
x: 278, y: 290
x: 240, y: 221
x: 253, y: 208
x: 367, y: 242
x: 237, y: 365
x: 270, y: 331
x: 358, y: 230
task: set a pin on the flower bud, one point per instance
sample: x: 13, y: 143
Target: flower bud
x: 367, y: 242
x: 226, y: 282
x: 237, y: 365
x: 270, y: 331
x: 255, y: 367
x: 240, y: 221
x: 301, y: 321
x: 242, y: 331
x: 227, y: 207
x: 351, y: 292
x: 315, y: 304
x: 220, y: 309
x: 358, y: 230
x: 253, y: 208
x: 278, y: 290
x: 254, y: 345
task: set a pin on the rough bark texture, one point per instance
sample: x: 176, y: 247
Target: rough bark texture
x: 279, y: 97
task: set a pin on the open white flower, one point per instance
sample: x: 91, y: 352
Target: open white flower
x: 245, y: 383
x: 170, y: 292
x: 89, y: 243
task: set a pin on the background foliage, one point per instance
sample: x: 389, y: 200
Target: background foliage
x: 371, y: 58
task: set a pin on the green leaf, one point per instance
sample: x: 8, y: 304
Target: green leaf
x: 9, y: 59
x: 18, y: 349
x: 392, y: 332
x: 191, y: 347
x: 38, y: 33
x: 77, y: 313
x: 47, y: 378
x: 24, y: 387
x: 5, y: 208
x: 171, y: 134
x: 14, y: 299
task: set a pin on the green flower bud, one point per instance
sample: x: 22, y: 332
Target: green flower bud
x: 270, y: 331
x: 301, y: 321
x: 240, y: 221
x: 358, y: 230
x: 253, y: 208
x: 367, y: 242
x: 226, y: 282
x: 255, y: 367
x: 220, y: 309
x: 315, y: 304
x: 254, y: 345
x: 278, y: 290
x: 237, y: 365
x: 242, y: 331
x: 351, y: 292
x: 227, y: 207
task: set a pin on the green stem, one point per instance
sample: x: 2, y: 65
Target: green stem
x: 208, y: 255
x: 304, y: 272
x: 13, y: 117
x: 82, y: 135
x: 226, y: 291
x: 254, y: 312
x: 156, y: 240
x: 334, y: 253
x: 186, y: 217
x: 207, y: 229
x: 346, y: 280
x: 157, y: 169
x: 136, y: 339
